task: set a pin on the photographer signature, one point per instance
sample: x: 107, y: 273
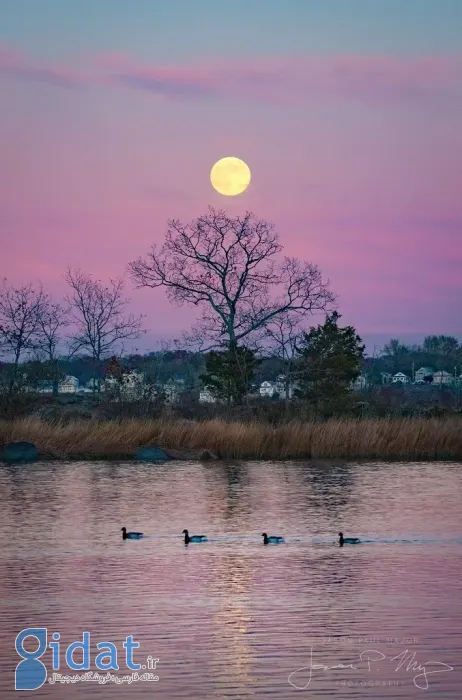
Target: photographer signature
x: 406, y: 659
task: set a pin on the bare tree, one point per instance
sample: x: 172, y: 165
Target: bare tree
x: 54, y: 317
x: 230, y: 268
x: 99, y: 314
x: 20, y: 313
x: 282, y: 336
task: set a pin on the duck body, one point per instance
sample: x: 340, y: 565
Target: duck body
x: 131, y: 535
x: 347, y: 540
x: 272, y: 539
x: 193, y: 538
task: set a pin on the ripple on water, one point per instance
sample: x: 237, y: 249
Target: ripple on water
x: 232, y: 618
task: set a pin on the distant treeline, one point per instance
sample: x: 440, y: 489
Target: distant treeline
x: 436, y: 352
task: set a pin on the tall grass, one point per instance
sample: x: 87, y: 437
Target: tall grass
x: 394, y: 438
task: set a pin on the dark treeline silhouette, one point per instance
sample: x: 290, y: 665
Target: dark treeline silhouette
x: 186, y: 368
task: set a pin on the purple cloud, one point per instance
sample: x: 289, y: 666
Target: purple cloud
x: 18, y: 65
x: 373, y: 80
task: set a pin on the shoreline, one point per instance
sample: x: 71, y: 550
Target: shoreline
x: 387, y: 439
x: 130, y: 458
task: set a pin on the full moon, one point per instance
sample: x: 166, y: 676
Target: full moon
x: 230, y: 176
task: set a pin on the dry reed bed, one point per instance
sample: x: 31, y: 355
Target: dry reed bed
x: 392, y: 438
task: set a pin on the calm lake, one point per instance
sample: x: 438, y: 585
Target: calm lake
x: 232, y: 618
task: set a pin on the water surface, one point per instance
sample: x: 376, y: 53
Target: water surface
x: 232, y: 618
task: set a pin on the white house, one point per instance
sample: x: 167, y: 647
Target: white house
x: 206, y: 396
x: 360, y: 383
x: 422, y: 373
x: 129, y: 380
x: 400, y: 378
x: 172, y: 389
x: 267, y: 389
x: 443, y: 377
x: 129, y: 386
x: 278, y: 387
x: 133, y: 379
x: 69, y: 385
x: 281, y: 387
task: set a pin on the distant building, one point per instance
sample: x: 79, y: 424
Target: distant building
x: 131, y: 380
x: 206, y: 396
x: 281, y: 388
x: 422, y: 375
x: 173, y: 388
x: 129, y: 386
x: 360, y: 383
x: 69, y: 385
x: 277, y: 388
x: 443, y: 377
x: 386, y: 377
x: 400, y: 378
x: 267, y: 388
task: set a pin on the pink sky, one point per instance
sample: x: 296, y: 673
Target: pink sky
x: 357, y: 159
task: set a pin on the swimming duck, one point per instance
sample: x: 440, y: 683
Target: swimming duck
x: 131, y: 535
x: 193, y: 538
x: 274, y: 539
x: 347, y: 540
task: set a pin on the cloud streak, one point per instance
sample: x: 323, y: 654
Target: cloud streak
x: 371, y: 80
x: 20, y: 66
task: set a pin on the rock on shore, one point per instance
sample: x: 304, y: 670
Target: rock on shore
x: 151, y: 454
x: 16, y: 452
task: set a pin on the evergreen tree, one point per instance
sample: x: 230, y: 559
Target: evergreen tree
x: 329, y: 359
x: 229, y: 374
